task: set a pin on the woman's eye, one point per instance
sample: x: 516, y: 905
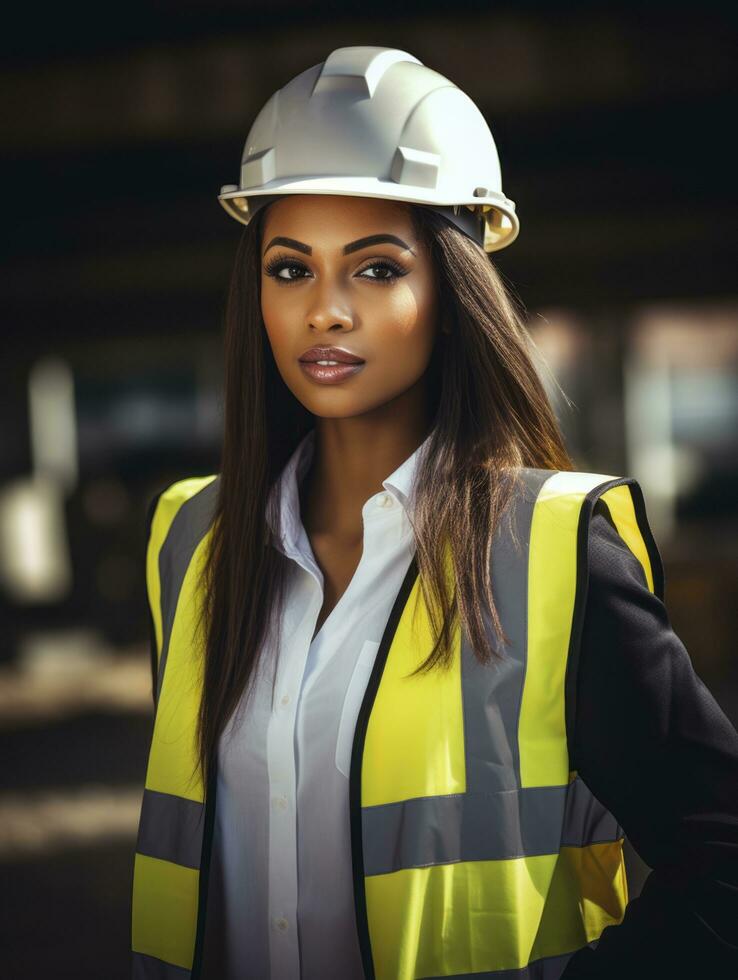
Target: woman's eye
x: 393, y: 272
x: 287, y: 266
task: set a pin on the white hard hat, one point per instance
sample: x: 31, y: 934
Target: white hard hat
x: 375, y: 122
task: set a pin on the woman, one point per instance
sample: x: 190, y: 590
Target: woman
x: 413, y: 674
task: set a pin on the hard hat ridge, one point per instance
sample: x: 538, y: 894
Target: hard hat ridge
x: 376, y: 122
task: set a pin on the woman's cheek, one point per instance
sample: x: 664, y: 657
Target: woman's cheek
x: 280, y: 332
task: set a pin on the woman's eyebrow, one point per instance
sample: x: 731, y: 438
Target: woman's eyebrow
x: 351, y: 247
x: 290, y: 243
x: 375, y: 240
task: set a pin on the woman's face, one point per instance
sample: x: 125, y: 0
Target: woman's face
x: 322, y: 285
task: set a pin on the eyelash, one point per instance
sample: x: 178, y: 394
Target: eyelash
x: 279, y: 262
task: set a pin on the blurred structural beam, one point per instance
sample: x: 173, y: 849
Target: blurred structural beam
x: 48, y: 821
x: 517, y: 61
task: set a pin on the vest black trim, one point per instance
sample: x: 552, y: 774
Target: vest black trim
x: 357, y: 850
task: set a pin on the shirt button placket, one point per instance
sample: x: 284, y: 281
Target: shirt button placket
x: 282, y: 844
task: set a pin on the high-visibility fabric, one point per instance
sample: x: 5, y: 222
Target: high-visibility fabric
x: 166, y: 876
x: 476, y: 851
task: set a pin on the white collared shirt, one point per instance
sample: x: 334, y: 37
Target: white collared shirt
x: 280, y: 900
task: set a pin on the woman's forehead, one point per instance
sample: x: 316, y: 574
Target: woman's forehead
x: 329, y: 214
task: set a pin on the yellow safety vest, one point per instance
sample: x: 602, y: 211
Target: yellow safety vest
x: 475, y: 849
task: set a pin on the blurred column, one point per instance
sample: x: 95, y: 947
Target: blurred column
x: 649, y: 442
x: 35, y: 564
x: 53, y: 422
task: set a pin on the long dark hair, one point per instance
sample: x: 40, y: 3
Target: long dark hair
x: 491, y: 414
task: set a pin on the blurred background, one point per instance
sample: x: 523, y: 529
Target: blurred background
x: 615, y: 142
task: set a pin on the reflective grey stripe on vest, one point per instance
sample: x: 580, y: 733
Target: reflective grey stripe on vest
x: 481, y: 827
x: 188, y: 528
x: 492, y: 694
x: 496, y: 818
x: 586, y: 820
x: 150, y: 968
x: 548, y: 968
x: 171, y: 828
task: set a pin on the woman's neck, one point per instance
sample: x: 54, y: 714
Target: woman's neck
x: 351, y: 460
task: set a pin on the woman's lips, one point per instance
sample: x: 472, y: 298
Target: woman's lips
x: 330, y: 374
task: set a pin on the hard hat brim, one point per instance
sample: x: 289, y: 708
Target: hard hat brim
x: 501, y: 222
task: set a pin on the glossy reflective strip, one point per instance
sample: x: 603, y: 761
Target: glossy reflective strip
x: 456, y: 918
x: 482, y: 827
x: 171, y: 828
x: 150, y: 968
x: 471, y: 917
x: 492, y: 694
x: 549, y: 968
x: 164, y: 913
x: 552, y: 580
x: 588, y: 892
x: 620, y: 504
x: 187, y: 529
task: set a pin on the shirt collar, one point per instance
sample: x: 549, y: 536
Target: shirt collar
x: 399, y: 483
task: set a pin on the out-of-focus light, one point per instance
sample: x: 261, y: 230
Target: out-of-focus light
x: 35, y: 564
x: 53, y: 421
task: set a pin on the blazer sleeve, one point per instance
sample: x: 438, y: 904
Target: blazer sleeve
x: 654, y: 747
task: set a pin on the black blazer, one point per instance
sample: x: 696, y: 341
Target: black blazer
x: 655, y: 748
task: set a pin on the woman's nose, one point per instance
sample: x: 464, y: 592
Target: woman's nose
x: 328, y: 306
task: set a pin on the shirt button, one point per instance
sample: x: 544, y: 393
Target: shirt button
x: 285, y: 699
x: 280, y: 802
x: 281, y: 924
